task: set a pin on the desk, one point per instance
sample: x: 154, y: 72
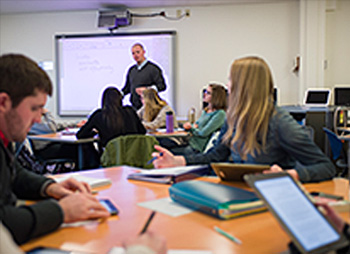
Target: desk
x: 59, y: 137
x: 317, y: 118
x: 164, y: 134
x: 260, y: 233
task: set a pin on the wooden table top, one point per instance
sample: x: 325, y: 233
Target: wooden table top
x: 259, y: 233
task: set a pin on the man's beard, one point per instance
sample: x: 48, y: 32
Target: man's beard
x: 15, y: 126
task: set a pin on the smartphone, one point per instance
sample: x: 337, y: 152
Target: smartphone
x: 112, y: 209
x: 45, y: 250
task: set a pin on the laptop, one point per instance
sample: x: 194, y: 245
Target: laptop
x: 316, y: 97
x: 308, y: 228
x: 234, y: 171
x: 342, y: 95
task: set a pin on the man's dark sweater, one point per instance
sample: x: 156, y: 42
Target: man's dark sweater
x: 149, y: 75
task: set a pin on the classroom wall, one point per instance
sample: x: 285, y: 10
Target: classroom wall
x: 207, y: 42
x: 337, y: 44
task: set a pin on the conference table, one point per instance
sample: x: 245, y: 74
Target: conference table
x: 259, y: 233
x: 67, y: 137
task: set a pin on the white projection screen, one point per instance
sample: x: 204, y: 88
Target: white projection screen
x: 86, y: 64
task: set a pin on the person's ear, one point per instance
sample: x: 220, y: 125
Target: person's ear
x: 5, y: 102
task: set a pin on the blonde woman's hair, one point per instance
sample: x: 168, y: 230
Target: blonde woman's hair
x: 250, y: 106
x: 153, y: 104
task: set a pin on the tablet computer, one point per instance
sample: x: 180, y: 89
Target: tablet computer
x: 308, y: 228
x: 235, y: 171
x: 317, y: 97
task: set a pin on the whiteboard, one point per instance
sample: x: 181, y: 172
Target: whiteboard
x: 87, y: 64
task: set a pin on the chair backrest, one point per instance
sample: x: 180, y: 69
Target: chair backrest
x: 211, y: 142
x: 335, y: 142
x: 131, y: 150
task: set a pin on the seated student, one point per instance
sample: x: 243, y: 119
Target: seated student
x: 51, y: 151
x: 153, y: 111
x: 46, y: 150
x: 256, y: 131
x: 112, y: 120
x: 211, y: 120
x: 147, y: 243
x: 49, y: 124
x: 24, y: 87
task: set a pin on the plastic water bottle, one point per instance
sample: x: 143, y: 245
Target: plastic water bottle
x: 169, y: 122
x: 192, y: 115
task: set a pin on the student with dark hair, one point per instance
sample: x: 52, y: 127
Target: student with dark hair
x: 257, y: 131
x: 112, y: 120
x: 24, y: 87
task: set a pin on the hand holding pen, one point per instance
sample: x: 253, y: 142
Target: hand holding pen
x: 154, y: 158
x: 165, y: 159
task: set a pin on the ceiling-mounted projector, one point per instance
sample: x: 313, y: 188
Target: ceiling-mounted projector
x: 113, y: 19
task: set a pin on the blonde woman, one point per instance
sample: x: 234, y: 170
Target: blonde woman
x: 257, y: 131
x: 153, y: 111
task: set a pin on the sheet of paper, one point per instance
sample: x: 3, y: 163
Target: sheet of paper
x: 120, y: 250
x: 93, y: 182
x: 189, y: 252
x: 171, y: 171
x: 79, y: 224
x: 166, y: 206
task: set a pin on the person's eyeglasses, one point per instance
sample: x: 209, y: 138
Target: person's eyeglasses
x: 207, y: 92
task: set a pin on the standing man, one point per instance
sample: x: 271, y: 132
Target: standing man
x: 142, y: 75
x: 23, y: 93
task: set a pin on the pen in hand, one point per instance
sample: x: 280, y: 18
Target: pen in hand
x: 148, y: 222
x: 154, y: 158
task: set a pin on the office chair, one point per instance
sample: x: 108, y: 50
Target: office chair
x: 132, y: 150
x: 338, y: 151
x: 26, y: 157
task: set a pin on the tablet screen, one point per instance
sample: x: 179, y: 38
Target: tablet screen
x: 317, y: 97
x: 300, y: 216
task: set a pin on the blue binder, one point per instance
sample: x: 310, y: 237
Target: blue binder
x: 219, y: 200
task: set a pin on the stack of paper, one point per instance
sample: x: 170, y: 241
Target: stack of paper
x: 93, y: 182
x: 170, y: 175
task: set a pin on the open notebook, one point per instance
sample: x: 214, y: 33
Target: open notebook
x: 170, y: 175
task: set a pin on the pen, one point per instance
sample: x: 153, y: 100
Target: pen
x: 154, y: 158
x: 229, y: 236
x: 148, y: 222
